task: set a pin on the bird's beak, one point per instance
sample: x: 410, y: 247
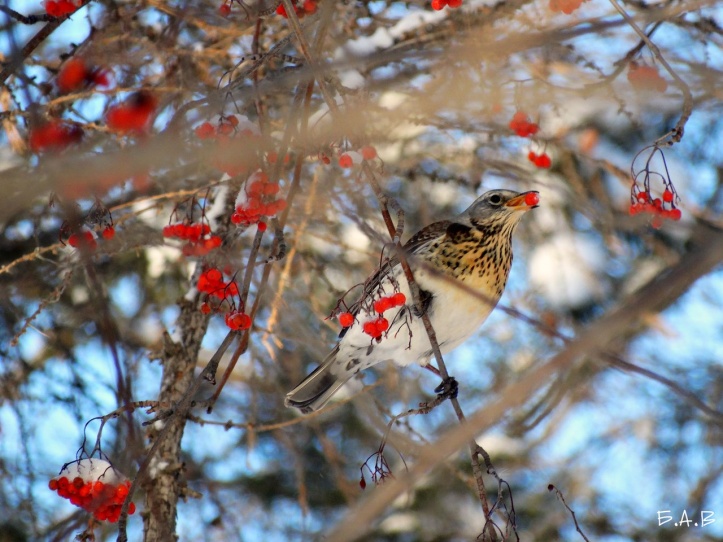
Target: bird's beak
x: 525, y: 201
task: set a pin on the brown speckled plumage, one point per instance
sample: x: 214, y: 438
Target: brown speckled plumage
x: 474, y: 248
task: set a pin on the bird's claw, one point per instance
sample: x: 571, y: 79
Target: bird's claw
x: 448, y: 388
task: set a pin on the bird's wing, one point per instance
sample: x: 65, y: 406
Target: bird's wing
x: 415, y: 244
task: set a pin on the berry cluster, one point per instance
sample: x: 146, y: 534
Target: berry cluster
x: 83, y: 233
x: 257, y: 200
x: 85, y: 239
x: 237, y: 320
x: 53, y: 135
x: 94, y: 486
x: 212, y: 283
x: 134, y: 114
x: 375, y: 328
x: 383, y: 304
x: 61, y: 8
x: 76, y: 74
x: 438, y: 5
x: 565, y: 6
x: 522, y: 125
x: 302, y: 9
x: 660, y: 208
x: 540, y: 160
x: 351, y: 158
x: 200, y: 240
x: 645, y: 78
x: 229, y: 133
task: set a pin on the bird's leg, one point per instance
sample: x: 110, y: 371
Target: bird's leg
x: 448, y: 388
x: 432, y: 369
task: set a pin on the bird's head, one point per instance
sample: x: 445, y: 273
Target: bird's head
x: 500, y: 207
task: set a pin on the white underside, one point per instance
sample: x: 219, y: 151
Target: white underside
x: 455, y: 315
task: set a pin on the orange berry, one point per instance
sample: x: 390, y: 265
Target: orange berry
x: 368, y: 152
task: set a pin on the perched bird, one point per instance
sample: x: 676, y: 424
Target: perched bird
x: 474, y: 248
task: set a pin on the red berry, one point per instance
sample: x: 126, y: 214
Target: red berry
x: 382, y: 325
x: 643, y: 197
x: 543, y: 161
x: 346, y: 319
x: 261, y: 226
x: 72, y: 76
x: 134, y: 114
x: 368, y: 152
x: 53, y: 485
x: 225, y: 10
x: 383, y: 304
x: 675, y: 214
x: 667, y: 196
x: 53, y: 135
x: 108, y: 232
x: 399, y: 299
x: 370, y: 328
x: 205, y: 131
x: 438, y: 5
x: 532, y: 198
x: 205, y: 308
x: 345, y: 161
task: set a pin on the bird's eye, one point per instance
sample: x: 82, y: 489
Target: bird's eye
x: 495, y: 199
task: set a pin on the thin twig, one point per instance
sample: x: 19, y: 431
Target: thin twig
x: 558, y: 493
x: 676, y: 134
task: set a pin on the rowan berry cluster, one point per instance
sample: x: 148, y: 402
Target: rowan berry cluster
x: 83, y: 233
x: 94, y: 486
x: 522, y: 125
x: 229, y: 133
x: 385, y: 303
x: 660, y: 208
x: 352, y: 158
x: 211, y: 282
x: 54, y: 135
x: 257, y: 201
x: 375, y: 328
x: 301, y: 8
x: 645, y: 78
x: 439, y: 5
x: 77, y: 74
x: 86, y: 238
x: 238, y: 320
x: 133, y: 115
x: 199, y: 239
x: 61, y: 8
x: 565, y: 6
x: 542, y: 160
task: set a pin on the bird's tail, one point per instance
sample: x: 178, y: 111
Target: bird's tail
x: 316, y: 389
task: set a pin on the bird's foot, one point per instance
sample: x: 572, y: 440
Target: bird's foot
x: 448, y: 388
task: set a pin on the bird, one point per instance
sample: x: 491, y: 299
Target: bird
x: 474, y: 249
